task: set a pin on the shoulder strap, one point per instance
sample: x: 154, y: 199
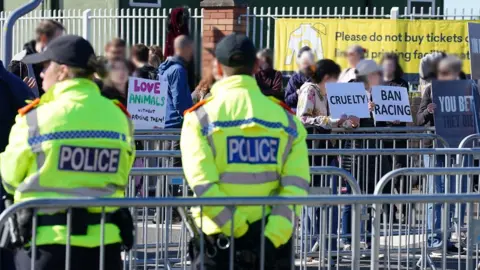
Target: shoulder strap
x: 282, y: 104
x: 122, y: 107
x: 23, y: 111
x: 197, y: 105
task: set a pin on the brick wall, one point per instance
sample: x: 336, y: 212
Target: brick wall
x: 217, y: 23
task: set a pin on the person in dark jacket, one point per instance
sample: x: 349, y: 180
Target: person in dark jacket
x: 305, y: 60
x: 46, y: 31
x: 362, y: 167
x: 173, y: 78
x: 139, y: 58
x: 448, y: 69
x: 116, y: 49
x: 268, y: 79
x: 115, y: 85
x: 392, y: 76
x: 13, y: 95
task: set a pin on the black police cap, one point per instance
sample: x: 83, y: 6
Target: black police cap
x: 236, y: 50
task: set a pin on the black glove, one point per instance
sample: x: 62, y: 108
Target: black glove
x: 251, y: 243
x: 124, y: 221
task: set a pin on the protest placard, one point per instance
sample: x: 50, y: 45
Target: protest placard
x: 146, y: 103
x: 474, y: 37
x: 348, y: 99
x: 455, y: 116
x: 391, y: 104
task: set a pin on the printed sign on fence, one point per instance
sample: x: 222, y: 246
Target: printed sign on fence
x: 146, y: 103
x: 348, y: 99
x: 474, y: 37
x: 411, y: 40
x: 391, y: 104
x: 455, y: 115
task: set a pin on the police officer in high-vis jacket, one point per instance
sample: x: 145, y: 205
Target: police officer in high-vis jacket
x: 242, y: 143
x: 70, y: 143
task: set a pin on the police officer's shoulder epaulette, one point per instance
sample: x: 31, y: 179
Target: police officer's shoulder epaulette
x: 282, y: 104
x: 197, y: 105
x: 32, y: 105
x: 123, y: 108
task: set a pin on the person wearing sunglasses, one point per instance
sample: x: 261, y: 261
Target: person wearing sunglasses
x: 355, y: 54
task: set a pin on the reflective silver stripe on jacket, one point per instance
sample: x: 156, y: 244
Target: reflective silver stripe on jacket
x: 223, y: 217
x: 249, y: 178
x: 283, y: 211
x: 33, y: 185
x: 295, y: 181
x: 288, y: 147
x: 201, y: 189
x: 205, y: 123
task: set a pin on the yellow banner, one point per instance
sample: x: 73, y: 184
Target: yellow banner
x: 329, y: 38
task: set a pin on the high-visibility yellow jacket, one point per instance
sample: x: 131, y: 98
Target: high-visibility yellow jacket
x: 71, y: 143
x: 242, y: 143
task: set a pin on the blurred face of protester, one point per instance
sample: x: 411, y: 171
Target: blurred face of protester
x: 186, y: 52
x: 449, y: 69
x: 305, y: 62
x: 388, y: 66
x: 353, y: 58
x: 119, y: 73
x: 263, y: 62
x: 374, y: 79
x: 53, y: 73
x: 116, y: 52
x: 445, y: 74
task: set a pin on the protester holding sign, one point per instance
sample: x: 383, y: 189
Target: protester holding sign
x: 313, y: 111
x: 313, y: 108
x: 369, y: 74
x: 448, y: 70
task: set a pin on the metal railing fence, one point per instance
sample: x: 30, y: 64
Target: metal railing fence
x: 420, y: 225
x: 147, y: 26
x: 317, y: 201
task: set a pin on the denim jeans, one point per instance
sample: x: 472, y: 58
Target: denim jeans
x: 312, y: 221
x: 347, y: 222
x: 437, y: 185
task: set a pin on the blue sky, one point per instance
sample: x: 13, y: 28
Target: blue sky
x: 459, y: 4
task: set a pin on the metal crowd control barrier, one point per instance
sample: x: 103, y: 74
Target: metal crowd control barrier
x: 324, y: 231
x: 417, y: 227
x: 334, y: 130
x: 474, y: 139
x: 129, y: 259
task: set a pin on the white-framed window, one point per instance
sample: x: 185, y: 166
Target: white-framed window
x: 417, y: 5
x: 146, y: 3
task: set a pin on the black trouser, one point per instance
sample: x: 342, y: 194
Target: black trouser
x: 221, y: 261
x: 52, y: 257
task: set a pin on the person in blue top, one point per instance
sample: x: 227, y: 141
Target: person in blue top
x: 174, y: 80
